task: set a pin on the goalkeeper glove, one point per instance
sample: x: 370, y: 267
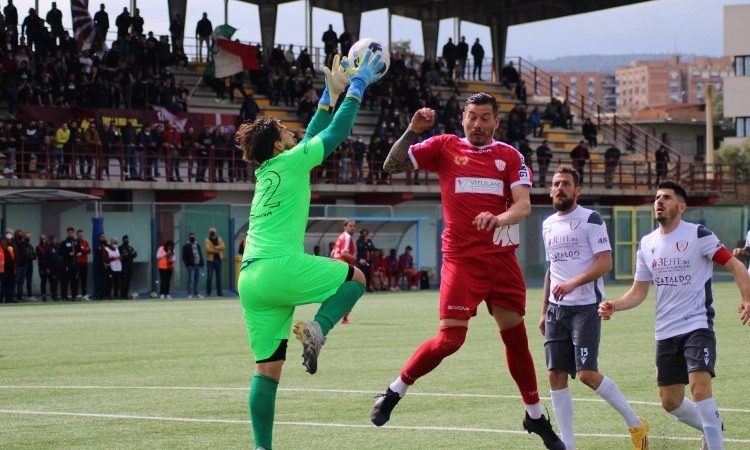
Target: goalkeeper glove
x: 364, y: 75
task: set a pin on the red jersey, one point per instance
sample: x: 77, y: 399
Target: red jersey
x: 473, y: 180
x: 344, y: 243
x: 85, y: 250
x: 405, y: 262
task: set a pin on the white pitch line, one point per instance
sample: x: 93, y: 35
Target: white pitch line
x: 331, y: 425
x: 328, y: 391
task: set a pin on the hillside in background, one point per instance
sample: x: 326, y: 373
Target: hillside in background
x: 599, y: 63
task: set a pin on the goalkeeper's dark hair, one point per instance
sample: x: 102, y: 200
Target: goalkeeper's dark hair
x: 482, y: 98
x: 256, y: 139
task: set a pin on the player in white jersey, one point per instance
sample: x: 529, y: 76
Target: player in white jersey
x: 578, y: 255
x: 678, y: 258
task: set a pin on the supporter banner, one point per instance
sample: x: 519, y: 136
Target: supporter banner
x: 140, y: 116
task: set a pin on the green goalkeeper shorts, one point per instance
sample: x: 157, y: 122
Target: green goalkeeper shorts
x: 271, y: 288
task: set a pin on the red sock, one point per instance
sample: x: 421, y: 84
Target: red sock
x: 520, y: 362
x: 431, y: 353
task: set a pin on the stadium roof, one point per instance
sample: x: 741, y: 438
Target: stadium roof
x: 483, y: 12
x: 19, y: 196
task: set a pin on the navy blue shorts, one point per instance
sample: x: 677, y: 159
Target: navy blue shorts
x: 677, y: 356
x: 571, y: 338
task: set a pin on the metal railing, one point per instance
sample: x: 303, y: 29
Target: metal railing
x: 225, y: 165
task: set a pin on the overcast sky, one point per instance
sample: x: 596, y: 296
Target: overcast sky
x: 657, y: 26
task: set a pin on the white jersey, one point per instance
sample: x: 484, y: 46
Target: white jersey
x: 747, y: 239
x: 680, y: 265
x: 570, y: 243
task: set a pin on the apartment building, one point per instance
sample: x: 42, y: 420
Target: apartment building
x: 737, y: 88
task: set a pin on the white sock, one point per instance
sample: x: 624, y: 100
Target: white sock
x: 399, y: 386
x: 534, y: 411
x: 562, y: 406
x: 688, y: 414
x: 711, y: 419
x: 609, y: 391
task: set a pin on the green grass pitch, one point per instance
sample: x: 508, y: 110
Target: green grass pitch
x: 175, y: 375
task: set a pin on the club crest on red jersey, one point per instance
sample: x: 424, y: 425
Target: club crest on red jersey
x: 682, y: 246
x: 461, y: 160
x: 574, y: 224
x: 500, y: 164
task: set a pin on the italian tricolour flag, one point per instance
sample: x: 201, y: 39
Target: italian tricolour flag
x: 230, y: 57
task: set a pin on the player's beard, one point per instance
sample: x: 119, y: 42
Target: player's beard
x: 563, y: 203
x: 668, y: 216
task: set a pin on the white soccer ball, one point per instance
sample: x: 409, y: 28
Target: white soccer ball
x: 360, y: 47
x: 154, y: 295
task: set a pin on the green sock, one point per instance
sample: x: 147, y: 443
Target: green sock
x: 337, y: 305
x: 262, y: 401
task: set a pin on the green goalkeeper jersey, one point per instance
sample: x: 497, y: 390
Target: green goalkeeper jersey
x: 281, y: 205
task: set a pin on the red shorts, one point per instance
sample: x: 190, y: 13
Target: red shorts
x: 495, y: 278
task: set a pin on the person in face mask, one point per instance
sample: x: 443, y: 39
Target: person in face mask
x: 8, y: 234
x: 101, y: 248
x: 127, y: 255
x: 193, y: 259
x: 214, y: 248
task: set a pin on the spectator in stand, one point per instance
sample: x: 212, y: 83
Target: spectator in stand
x: 365, y: 250
x: 41, y: 257
x: 205, y: 147
x: 82, y: 261
x: 136, y: 23
x: 203, y: 32
x: 462, y: 54
x: 543, y: 158
x: 109, y: 148
x: 62, y: 135
x: 662, y: 162
x: 30, y: 27
x: 534, y: 124
x: 304, y: 62
x: 406, y: 268
x: 450, y: 55
x: 147, y: 147
x: 526, y: 152
x: 127, y: 255
x: 289, y: 58
x: 509, y: 76
x: 330, y: 39
x: 192, y: 257
x: 189, y: 149
x: 113, y: 266
x: 359, y: 149
x: 11, y: 20
x: 177, y: 29
x: 276, y: 60
x: 172, y: 148
x: 565, y: 116
x: 69, y: 250
x: 477, y: 51
x: 90, y: 152
x: 579, y: 156
x: 214, y: 246
x: 165, y: 259
x: 611, y: 161
x: 249, y: 109
x: 550, y: 112
x: 123, y: 23
x: 345, y: 41
x: 220, y: 153
x: 590, y: 132
x: 72, y: 147
x: 133, y: 160
x: 101, y: 24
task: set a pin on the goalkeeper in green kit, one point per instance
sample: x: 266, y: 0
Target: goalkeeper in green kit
x: 276, y: 274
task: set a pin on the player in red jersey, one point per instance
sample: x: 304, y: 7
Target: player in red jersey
x: 378, y: 266
x: 406, y: 267
x: 345, y: 250
x: 484, y: 186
